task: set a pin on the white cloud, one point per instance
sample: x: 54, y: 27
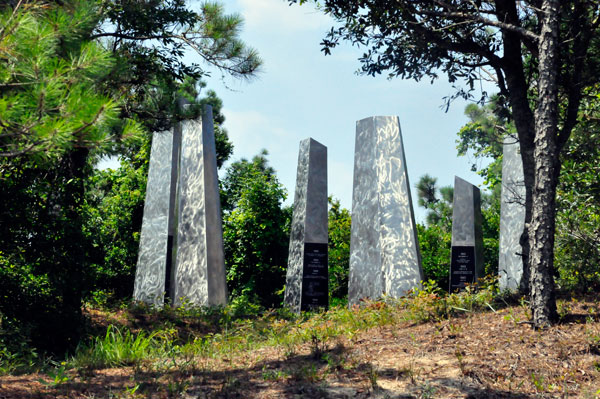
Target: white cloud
x: 251, y: 131
x: 278, y: 16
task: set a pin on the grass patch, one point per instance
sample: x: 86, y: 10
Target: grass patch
x: 121, y: 347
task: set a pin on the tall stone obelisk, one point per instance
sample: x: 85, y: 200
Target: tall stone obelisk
x: 384, y: 248
x: 199, y: 273
x: 153, y: 257
x: 307, y: 279
x: 181, y: 245
x: 466, y: 265
x: 512, y: 216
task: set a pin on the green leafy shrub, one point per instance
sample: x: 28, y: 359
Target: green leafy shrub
x: 339, y: 252
x: 255, y: 231
x: 434, y: 243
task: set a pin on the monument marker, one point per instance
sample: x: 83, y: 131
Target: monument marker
x: 466, y: 265
x: 307, y: 278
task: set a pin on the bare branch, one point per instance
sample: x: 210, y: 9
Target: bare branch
x: 470, y: 18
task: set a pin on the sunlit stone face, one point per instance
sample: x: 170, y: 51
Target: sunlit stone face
x: 512, y: 216
x: 199, y: 275
x: 384, y: 250
x: 149, y: 286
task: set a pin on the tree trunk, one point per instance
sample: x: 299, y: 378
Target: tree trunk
x: 529, y: 178
x: 512, y: 65
x: 546, y: 168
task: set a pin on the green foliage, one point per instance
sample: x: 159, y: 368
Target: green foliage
x: 149, y: 41
x: 439, y: 209
x: 433, y: 303
x: 50, y: 101
x: 255, y: 231
x: 577, y: 256
x: 483, y: 135
x: 54, y: 113
x: 578, y: 198
x: 339, y: 250
x: 434, y: 243
x: 114, y: 210
x: 58, y: 375
x: 490, y: 226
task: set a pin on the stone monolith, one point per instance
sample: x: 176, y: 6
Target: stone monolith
x: 384, y: 249
x: 307, y: 273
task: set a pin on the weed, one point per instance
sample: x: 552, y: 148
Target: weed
x: 334, y: 362
x: 454, y: 329
x: 538, y: 382
x: 512, y: 317
x: 306, y: 373
x: 427, y: 391
x: 129, y: 393
x: 372, y: 375
x: 460, y: 358
x: 432, y: 303
x: 563, y: 309
x: 58, y: 375
x: 594, y: 344
x: 176, y: 389
x: 273, y: 375
x: 230, y: 385
x: 318, y: 346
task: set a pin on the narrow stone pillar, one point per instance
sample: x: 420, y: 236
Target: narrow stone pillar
x: 512, y: 216
x: 307, y: 283
x: 466, y: 265
x: 151, y: 269
x: 199, y: 274
x: 384, y: 248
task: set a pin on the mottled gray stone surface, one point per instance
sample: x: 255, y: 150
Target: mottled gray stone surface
x: 512, y: 216
x: 309, y: 220
x: 149, y: 285
x: 466, y: 228
x: 199, y: 273
x: 384, y: 249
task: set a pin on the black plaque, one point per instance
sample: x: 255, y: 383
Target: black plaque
x: 462, y: 268
x: 315, y: 277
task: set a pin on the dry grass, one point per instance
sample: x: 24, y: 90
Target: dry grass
x: 491, y: 354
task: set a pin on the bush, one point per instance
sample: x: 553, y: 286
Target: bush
x: 435, y: 242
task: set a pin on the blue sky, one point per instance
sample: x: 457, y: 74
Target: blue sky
x: 301, y: 93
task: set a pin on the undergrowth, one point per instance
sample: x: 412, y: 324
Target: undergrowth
x: 175, y: 335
